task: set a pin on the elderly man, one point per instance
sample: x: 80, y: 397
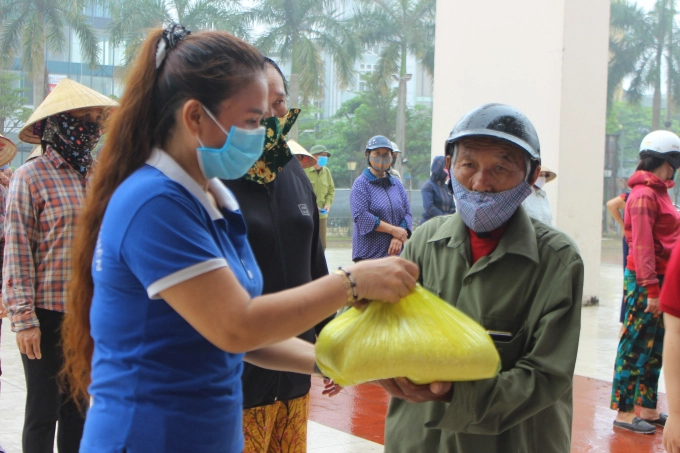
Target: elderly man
x: 324, y: 187
x: 519, y: 278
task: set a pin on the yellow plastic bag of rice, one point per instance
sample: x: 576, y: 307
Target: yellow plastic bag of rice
x: 422, y: 338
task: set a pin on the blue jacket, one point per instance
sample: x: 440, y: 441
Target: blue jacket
x: 371, y: 200
x: 436, y: 198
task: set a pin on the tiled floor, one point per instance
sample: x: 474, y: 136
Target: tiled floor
x: 353, y: 421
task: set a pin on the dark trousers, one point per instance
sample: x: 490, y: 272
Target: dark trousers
x: 322, y: 231
x: 45, y: 403
x: 622, y: 317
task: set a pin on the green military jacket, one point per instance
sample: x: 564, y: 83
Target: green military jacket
x: 530, y: 286
x: 324, y: 188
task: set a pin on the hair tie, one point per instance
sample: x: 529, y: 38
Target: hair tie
x: 169, y: 39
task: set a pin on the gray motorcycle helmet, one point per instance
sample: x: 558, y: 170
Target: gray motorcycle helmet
x: 502, y: 122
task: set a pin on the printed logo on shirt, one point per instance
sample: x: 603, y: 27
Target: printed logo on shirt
x: 98, y: 253
x: 303, y: 209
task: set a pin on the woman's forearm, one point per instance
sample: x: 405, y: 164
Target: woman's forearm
x: 614, y: 207
x: 293, y: 355
x: 219, y: 308
x: 671, y: 363
x: 385, y: 227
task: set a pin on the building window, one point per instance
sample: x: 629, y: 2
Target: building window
x: 372, y: 49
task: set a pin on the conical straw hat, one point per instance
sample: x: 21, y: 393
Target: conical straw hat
x: 7, y: 150
x: 67, y: 95
x: 551, y: 174
x: 297, y: 148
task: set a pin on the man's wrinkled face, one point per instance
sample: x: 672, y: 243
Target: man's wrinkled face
x: 489, y: 165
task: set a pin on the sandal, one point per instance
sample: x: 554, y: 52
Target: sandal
x: 661, y: 421
x: 638, y: 425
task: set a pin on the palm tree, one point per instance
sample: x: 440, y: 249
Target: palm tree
x: 131, y: 20
x: 12, y: 100
x: 654, y: 41
x: 297, y: 31
x: 401, y: 27
x: 629, y: 38
x: 29, y: 28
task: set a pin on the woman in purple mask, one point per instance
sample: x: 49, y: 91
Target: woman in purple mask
x: 380, y: 207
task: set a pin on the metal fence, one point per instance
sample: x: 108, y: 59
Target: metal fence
x: 340, y: 217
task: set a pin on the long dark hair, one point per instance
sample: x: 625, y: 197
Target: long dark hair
x: 210, y: 67
x: 273, y: 64
x: 649, y: 162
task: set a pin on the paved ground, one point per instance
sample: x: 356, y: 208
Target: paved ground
x: 353, y: 421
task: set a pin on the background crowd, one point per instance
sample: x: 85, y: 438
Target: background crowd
x: 174, y: 284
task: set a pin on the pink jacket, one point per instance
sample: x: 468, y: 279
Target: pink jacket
x: 652, y: 227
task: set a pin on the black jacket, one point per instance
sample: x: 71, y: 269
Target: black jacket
x: 283, y: 231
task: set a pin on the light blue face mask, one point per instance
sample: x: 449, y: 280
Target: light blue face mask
x: 322, y: 161
x: 483, y: 212
x: 240, y: 151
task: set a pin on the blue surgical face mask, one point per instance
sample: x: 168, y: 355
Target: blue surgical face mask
x: 483, y: 211
x: 322, y: 161
x: 240, y: 151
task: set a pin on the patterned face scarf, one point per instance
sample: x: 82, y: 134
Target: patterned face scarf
x: 276, y: 152
x: 73, y: 139
x: 483, y: 212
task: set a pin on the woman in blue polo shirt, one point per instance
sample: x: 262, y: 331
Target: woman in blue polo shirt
x: 380, y: 207
x: 165, y: 297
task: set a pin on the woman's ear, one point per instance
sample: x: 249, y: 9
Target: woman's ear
x: 192, y: 117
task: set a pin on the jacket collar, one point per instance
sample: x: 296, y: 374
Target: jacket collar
x: 162, y: 161
x: 519, y: 237
x: 373, y: 178
x: 647, y: 178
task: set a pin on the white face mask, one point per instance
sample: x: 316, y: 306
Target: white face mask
x: 540, y: 182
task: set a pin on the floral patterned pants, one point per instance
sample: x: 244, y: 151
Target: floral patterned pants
x: 277, y: 428
x: 638, y: 359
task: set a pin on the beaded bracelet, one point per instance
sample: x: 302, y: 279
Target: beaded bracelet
x: 349, y: 284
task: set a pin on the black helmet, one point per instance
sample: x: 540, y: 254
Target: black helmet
x: 379, y: 141
x: 498, y: 121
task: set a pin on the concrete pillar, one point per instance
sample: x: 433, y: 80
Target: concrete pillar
x: 548, y: 59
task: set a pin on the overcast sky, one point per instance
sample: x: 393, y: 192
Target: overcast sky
x: 646, y: 4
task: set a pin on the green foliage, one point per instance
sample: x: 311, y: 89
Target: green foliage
x: 12, y: 100
x: 297, y: 31
x: 419, y: 142
x: 131, y: 20
x: 642, y: 45
x: 400, y: 27
x: 28, y: 27
x: 360, y: 118
x: 629, y: 39
x: 632, y: 122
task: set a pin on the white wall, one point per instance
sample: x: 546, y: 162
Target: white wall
x: 548, y: 59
